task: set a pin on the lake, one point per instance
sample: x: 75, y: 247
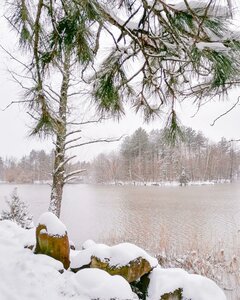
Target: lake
x: 183, y: 218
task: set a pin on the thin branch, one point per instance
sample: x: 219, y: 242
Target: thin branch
x: 226, y: 112
x: 15, y: 102
x: 94, y: 142
x: 72, y: 141
x: 17, y: 60
x: 88, y: 122
x: 69, y: 176
x: 73, y: 132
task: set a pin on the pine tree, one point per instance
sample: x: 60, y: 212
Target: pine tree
x: 179, y: 51
x: 17, y: 211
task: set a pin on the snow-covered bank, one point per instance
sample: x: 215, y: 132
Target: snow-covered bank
x: 28, y: 276
x: 167, y: 183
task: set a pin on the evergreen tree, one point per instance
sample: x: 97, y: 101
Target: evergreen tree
x: 178, y: 51
x: 17, y: 212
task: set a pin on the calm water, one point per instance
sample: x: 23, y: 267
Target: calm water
x: 181, y: 217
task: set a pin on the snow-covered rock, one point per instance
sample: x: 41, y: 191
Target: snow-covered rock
x: 52, y: 238
x: 53, y: 225
x: 194, y: 287
x: 124, y: 259
x: 87, y: 244
x: 98, y: 284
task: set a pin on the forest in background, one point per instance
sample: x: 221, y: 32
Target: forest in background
x: 142, y: 157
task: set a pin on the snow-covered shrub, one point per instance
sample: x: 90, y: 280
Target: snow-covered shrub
x: 183, y: 179
x: 17, y: 211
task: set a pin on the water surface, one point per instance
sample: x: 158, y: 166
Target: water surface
x: 151, y: 217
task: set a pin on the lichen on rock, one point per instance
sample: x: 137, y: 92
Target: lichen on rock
x: 131, y: 272
x: 52, y: 239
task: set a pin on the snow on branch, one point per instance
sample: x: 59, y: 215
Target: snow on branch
x: 95, y: 141
x: 72, y: 175
x: 63, y: 163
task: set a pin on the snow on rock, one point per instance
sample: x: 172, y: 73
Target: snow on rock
x: 194, y: 287
x: 198, y: 287
x: 121, y: 254
x: 98, y: 284
x: 87, y: 244
x: 116, y: 256
x: 53, y: 224
x: 52, y: 238
x: 83, y: 257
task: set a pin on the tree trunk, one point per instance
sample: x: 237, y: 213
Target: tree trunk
x: 59, y: 153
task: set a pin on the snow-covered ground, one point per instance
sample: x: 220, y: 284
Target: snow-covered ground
x: 26, y: 276
x: 168, y: 183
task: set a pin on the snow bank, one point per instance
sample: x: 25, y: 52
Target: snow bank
x: 194, y: 287
x: 26, y: 276
x: 11, y: 231
x: 116, y: 256
x: 98, y: 284
x: 53, y: 224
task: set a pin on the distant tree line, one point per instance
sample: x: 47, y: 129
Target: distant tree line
x: 149, y: 157
x: 142, y: 157
x: 32, y: 168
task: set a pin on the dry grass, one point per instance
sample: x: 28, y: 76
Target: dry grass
x: 219, y: 264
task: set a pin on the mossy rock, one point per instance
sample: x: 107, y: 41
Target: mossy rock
x: 131, y: 272
x: 176, y: 295
x: 52, y: 245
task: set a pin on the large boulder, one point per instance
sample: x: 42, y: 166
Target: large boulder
x: 52, y: 238
x: 132, y: 271
x: 126, y: 260
x: 177, y: 284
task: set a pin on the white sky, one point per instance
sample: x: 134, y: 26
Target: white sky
x: 14, y: 122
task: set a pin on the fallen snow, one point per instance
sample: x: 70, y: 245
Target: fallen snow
x: 12, y: 231
x: 194, y: 287
x: 53, y: 224
x: 26, y: 276
x: 98, y: 284
x: 116, y: 256
x: 87, y: 244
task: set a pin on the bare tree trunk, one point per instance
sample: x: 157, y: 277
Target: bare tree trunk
x: 59, y: 153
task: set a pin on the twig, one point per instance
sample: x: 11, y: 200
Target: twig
x: 15, y: 102
x: 226, y: 112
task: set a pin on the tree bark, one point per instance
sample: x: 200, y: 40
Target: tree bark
x: 59, y: 153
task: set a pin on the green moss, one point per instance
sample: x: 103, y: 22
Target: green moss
x: 131, y: 272
x: 176, y: 295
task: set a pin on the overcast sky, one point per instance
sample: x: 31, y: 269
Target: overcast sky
x: 14, y: 122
